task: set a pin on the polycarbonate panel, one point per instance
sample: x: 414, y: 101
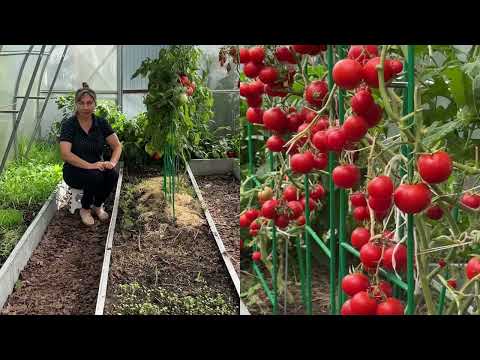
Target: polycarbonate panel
x: 218, y: 77
x: 133, y: 55
x: 94, y: 64
x: 8, y: 101
x: 5, y: 130
x: 133, y: 104
x: 226, y: 109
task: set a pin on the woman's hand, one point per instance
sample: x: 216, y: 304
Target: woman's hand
x: 109, y: 165
x: 99, y: 165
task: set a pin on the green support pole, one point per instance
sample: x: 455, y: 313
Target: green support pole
x: 441, y: 301
x: 342, y: 265
x: 274, y: 249
x: 410, y: 229
x: 331, y: 199
x: 274, y: 276
x: 405, y: 152
x: 308, y: 255
x: 301, y: 266
x: 173, y: 186
x: 164, y: 173
x: 250, y: 149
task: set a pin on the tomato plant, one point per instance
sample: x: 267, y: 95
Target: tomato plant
x: 176, y: 115
x: 410, y: 169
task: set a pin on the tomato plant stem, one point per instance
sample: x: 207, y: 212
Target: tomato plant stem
x: 422, y: 270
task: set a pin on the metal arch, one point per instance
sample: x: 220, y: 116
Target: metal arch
x: 14, y: 102
x: 44, y: 67
x: 22, y: 108
x: 120, y: 77
x: 39, y: 117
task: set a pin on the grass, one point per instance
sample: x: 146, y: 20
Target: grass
x: 8, y: 239
x: 30, y: 180
x: 10, y: 218
x: 25, y: 182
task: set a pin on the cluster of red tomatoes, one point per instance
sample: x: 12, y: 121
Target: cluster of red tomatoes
x: 189, y: 85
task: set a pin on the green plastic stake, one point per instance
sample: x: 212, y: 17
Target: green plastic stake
x: 308, y: 255
x: 301, y: 267
x: 274, y: 248
x: 342, y: 266
x: 410, y: 229
x: 263, y: 282
x: 331, y: 198
x: 250, y: 149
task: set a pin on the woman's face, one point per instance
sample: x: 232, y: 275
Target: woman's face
x: 86, y: 105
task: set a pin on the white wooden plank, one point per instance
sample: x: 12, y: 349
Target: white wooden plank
x: 20, y: 255
x: 102, y: 289
x: 216, y: 235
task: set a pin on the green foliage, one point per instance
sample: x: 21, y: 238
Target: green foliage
x: 31, y: 180
x: 135, y: 299
x: 213, y: 146
x: 10, y: 218
x: 450, y: 92
x: 8, y: 239
x: 173, y: 118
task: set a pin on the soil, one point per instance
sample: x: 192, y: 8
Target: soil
x: 222, y: 195
x: 30, y: 214
x: 152, y: 250
x: 63, y: 274
x: 320, y: 293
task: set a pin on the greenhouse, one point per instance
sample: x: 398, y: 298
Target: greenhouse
x: 382, y: 143
x: 148, y: 227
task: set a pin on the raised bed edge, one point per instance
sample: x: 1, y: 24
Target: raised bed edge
x: 102, y: 288
x: 218, y: 240
x: 20, y: 255
x: 205, y: 167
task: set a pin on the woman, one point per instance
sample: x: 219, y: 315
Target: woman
x: 82, y: 140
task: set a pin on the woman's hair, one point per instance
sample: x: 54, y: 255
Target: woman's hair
x: 85, y: 90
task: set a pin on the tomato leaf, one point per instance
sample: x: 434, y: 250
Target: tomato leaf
x: 459, y: 84
x: 436, y: 133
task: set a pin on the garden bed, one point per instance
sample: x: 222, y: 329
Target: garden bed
x: 63, y: 272
x: 258, y: 303
x: 221, y: 193
x: 161, y: 266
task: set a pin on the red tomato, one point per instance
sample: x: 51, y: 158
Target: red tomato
x: 358, y: 199
x: 363, y: 304
x: 347, y: 74
x: 412, y: 198
x: 391, y: 306
x: 346, y: 176
x: 275, y: 143
x: 380, y: 187
x: 354, y: 283
x: 400, y: 258
x: 370, y: 255
x: 316, y: 92
x: 361, y: 213
x: 360, y: 236
x: 435, y: 168
x: 473, y: 267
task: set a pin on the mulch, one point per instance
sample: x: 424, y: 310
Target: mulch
x: 63, y: 274
x: 180, y: 256
x: 222, y: 195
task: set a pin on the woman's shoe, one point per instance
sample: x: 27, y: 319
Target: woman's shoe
x: 86, y: 216
x: 101, y: 213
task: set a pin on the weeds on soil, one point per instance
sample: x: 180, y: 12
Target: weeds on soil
x: 135, y: 299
